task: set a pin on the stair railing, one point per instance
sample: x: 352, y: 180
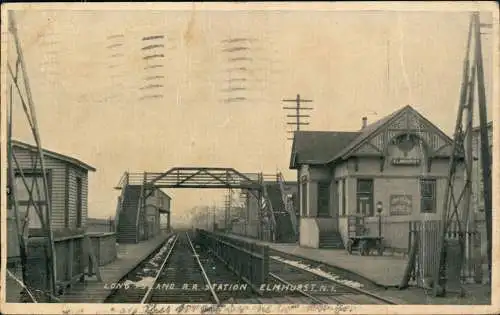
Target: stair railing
x: 268, y: 207
x: 288, y: 203
x: 139, y: 207
x: 144, y: 197
x: 122, y: 185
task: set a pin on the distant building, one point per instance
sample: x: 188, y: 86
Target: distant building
x: 400, y: 160
x: 137, y: 223
x: 157, y: 205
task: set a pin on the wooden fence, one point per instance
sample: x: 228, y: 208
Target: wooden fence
x: 104, y: 247
x: 249, y: 260
x: 100, y: 225
x: 426, y: 260
x: 70, y: 265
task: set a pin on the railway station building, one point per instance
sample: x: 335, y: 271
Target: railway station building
x: 399, y: 163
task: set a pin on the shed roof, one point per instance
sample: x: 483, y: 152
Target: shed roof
x: 52, y: 154
x: 318, y: 147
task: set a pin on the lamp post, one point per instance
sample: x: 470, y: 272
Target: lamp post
x: 380, y: 207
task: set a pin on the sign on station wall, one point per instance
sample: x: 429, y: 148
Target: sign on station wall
x: 400, y: 205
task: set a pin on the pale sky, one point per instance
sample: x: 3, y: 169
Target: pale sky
x: 352, y: 64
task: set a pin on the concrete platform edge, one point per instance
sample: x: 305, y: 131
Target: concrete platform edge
x: 374, y: 282
x: 385, y: 286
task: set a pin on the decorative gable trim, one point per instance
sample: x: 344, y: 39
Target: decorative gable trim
x: 408, y: 120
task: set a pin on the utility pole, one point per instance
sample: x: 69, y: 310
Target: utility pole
x: 298, y: 115
x: 485, y: 148
x: 297, y: 123
x: 22, y: 87
x: 461, y: 150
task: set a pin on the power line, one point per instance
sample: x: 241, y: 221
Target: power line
x: 298, y: 114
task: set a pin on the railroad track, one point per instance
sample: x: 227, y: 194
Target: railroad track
x: 180, y: 272
x: 182, y: 278
x: 318, y: 288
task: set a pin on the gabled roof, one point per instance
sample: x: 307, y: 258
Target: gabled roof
x: 52, y: 154
x: 318, y: 147
x: 367, y: 132
x: 165, y: 194
x: 323, y: 147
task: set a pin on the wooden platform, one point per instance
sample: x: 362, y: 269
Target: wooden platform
x: 129, y: 256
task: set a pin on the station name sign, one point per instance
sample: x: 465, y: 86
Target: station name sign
x: 406, y: 161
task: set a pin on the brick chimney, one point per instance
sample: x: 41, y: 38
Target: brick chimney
x: 364, y: 122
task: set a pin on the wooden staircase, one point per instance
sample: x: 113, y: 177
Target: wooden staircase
x: 331, y: 240
x: 127, y: 228
x: 284, y: 228
x: 289, y: 207
x: 266, y: 207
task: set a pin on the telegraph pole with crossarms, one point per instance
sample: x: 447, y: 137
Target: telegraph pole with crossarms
x: 298, y: 101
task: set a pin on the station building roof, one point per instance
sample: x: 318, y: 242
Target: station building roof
x: 324, y: 147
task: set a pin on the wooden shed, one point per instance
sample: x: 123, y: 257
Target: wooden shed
x: 68, y: 188
x: 67, y: 180
x: 138, y: 221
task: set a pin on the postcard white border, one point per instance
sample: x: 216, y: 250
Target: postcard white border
x: 83, y: 308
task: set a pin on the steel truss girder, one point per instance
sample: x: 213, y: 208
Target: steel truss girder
x: 201, y: 177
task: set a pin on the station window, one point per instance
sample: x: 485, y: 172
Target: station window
x: 364, y: 196
x: 428, y: 195
x: 323, y: 199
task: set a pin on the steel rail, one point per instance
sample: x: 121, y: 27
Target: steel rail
x: 214, y: 295
x: 373, y: 295
x: 147, y: 296
x: 315, y: 299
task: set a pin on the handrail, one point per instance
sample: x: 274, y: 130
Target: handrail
x: 287, y: 203
x: 123, y: 182
x: 139, y: 206
x: 270, y: 207
x: 268, y: 177
x: 130, y: 178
